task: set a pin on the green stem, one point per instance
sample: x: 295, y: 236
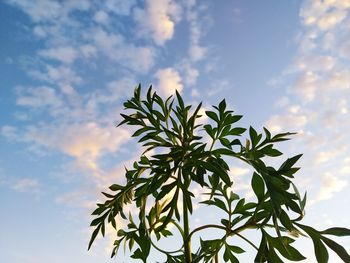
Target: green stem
x: 247, y: 240
x: 178, y: 227
x: 163, y: 251
x: 204, y: 227
x: 217, y: 258
x: 187, y: 237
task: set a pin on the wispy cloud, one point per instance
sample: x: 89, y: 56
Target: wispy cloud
x: 26, y: 185
x: 65, y: 54
x: 330, y: 185
x: 317, y: 99
x: 158, y: 19
x: 169, y: 81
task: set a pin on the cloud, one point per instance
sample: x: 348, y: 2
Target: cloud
x: 101, y: 17
x: 62, y: 75
x: 169, y: 81
x: 120, y: 7
x: 86, y: 142
x: 113, y: 45
x: 37, y: 97
x: 115, y: 90
x: 158, y: 20
x: 9, y: 132
x: 315, y: 62
x: 42, y: 11
x: 65, y: 54
x: 196, y: 51
x: 26, y: 185
x: 287, y: 122
x: 324, y: 15
x: 306, y: 85
x: 325, y: 156
x: 317, y: 97
x: 238, y: 171
x: 39, y: 10
x: 88, y: 51
x: 330, y: 184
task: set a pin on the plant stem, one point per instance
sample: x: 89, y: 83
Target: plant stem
x: 217, y: 258
x: 247, y: 240
x: 187, y: 237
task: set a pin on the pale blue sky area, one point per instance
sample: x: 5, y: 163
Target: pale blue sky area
x: 66, y: 67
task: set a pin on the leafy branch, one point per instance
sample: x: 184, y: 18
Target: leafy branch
x: 176, y: 158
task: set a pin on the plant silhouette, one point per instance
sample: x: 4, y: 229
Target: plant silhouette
x: 159, y: 185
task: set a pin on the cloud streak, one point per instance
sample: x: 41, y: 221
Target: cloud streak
x: 317, y: 104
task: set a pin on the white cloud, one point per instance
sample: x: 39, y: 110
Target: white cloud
x: 196, y: 51
x: 65, y: 54
x: 169, y: 81
x: 325, y: 156
x: 38, y: 97
x: 238, y: 171
x: 331, y: 19
x: 324, y: 14
x: 120, y: 7
x: 39, y: 10
x: 190, y: 73
x: 84, y: 141
x: 287, y: 122
x: 39, y: 31
x: 330, y: 184
x: 9, y: 132
x: 139, y: 59
x: 26, y: 185
x: 337, y: 80
x: 315, y: 62
x: 101, y: 17
x: 88, y: 51
x: 62, y: 74
x: 158, y: 19
x: 115, y: 90
x: 306, y: 85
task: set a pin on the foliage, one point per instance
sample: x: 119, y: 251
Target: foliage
x: 181, y: 159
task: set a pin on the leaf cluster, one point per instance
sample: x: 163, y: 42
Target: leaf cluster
x: 181, y: 159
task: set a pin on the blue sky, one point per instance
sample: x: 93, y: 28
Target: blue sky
x: 67, y: 66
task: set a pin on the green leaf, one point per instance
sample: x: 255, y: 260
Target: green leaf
x: 180, y: 100
x: 228, y: 256
x: 212, y: 115
x: 286, y: 250
x: 237, y: 131
x: 254, y: 137
x: 270, y: 151
x: 222, y: 106
x: 93, y: 236
x: 258, y: 186
x: 235, y: 249
x: 209, y: 129
x: 219, y: 203
x: 320, y: 251
x: 341, y: 252
x: 337, y: 231
x: 137, y: 92
x: 263, y: 250
x: 285, y: 220
x: 289, y: 163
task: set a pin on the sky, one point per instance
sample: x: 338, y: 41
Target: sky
x: 67, y: 66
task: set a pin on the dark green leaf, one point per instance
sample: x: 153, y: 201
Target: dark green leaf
x: 93, y: 236
x: 341, y: 252
x: 237, y: 131
x: 258, y: 186
x: 212, y: 115
x: 337, y: 231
